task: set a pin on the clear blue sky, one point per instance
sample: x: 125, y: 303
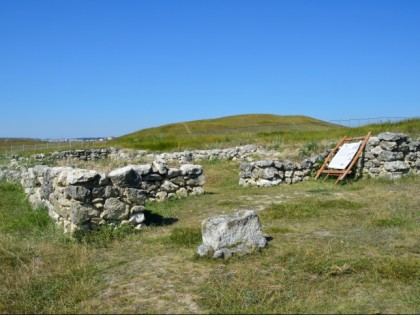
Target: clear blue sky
x: 73, y: 68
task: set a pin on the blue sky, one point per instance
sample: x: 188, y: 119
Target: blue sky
x: 99, y: 68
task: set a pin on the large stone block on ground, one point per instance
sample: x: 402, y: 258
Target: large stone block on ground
x: 226, y: 235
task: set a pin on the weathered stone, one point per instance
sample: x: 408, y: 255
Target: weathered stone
x: 390, y: 136
x: 111, y: 191
x: 198, y: 181
x: 388, y: 156
x: 396, y: 166
x: 114, y: 209
x: 197, y: 191
x: 137, y: 209
x: 269, y: 173
x: 81, y: 176
x: 238, y: 232
x: 98, y: 192
x: 136, y: 196
x: 190, y: 169
x: 173, y: 172
x: 160, y: 167
x: 265, y: 163
x: 388, y: 145
x: 245, y: 167
x: 289, y: 165
x: 169, y: 186
x: 161, y: 195
x: 182, y: 192
x: 142, y: 170
x: 372, y: 142
x: 82, y: 213
x: 414, y: 146
x: 125, y: 177
x: 376, y: 150
x: 136, y: 219
x: 79, y: 193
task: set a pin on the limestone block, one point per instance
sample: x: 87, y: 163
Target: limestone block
x: 376, y: 150
x: 137, y: 209
x: 372, y: 142
x: 173, y: 172
x: 160, y: 167
x: 396, y: 166
x: 125, y: 177
x: 82, y: 213
x: 136, y: 218
x: 238, y: 232
x: 388, y: 145
x: 182, y: 192
x: 390, y: 136
x: 114, y: 209
x: 142, y: 170
x: 388, y: 156
x: 269, y: 173
x: 289, y: 165
x: 169, y: 186
x: 190, y: 169
x: 264, y: 163
x: 197, y: 191
x: 135, y: 196
x: 81, y: 176
x: 78, y: 193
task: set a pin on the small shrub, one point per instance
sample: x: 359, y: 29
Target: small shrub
x: 308, y: 149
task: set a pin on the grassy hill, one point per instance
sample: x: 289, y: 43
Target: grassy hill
x: 224, y: 131
x: 262, y: 129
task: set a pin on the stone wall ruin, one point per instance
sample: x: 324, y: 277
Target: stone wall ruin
x: 85, y: 199
x: 388, y: 155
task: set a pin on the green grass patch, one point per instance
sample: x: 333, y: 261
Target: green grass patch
x: 400, y: 268
x: 185, y: 236
x: 308, y: 209
x: 41, y: 269
x: 17, y: 215
x: 104, y: 235
x: 389, y: 222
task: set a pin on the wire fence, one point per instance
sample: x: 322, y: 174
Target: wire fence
x: 358, y: 122
x: 83, y: 145
x: 49, y: 146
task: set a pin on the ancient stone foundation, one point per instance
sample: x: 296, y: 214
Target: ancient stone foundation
x: 389, y: 155
x: 85, y: 199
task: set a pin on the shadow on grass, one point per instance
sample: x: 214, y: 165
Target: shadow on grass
x: 154, y: 219
x: 269, y: 239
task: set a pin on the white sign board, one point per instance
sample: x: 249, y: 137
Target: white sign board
x: 344, y: 156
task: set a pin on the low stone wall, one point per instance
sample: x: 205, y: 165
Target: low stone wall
x: 389, y: 155
x: 84, y: 155
x: 86, y: 199
x: 273, y: 172
x: 183, y: 157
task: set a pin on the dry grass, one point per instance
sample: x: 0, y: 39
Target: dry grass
x: 350, y: 248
